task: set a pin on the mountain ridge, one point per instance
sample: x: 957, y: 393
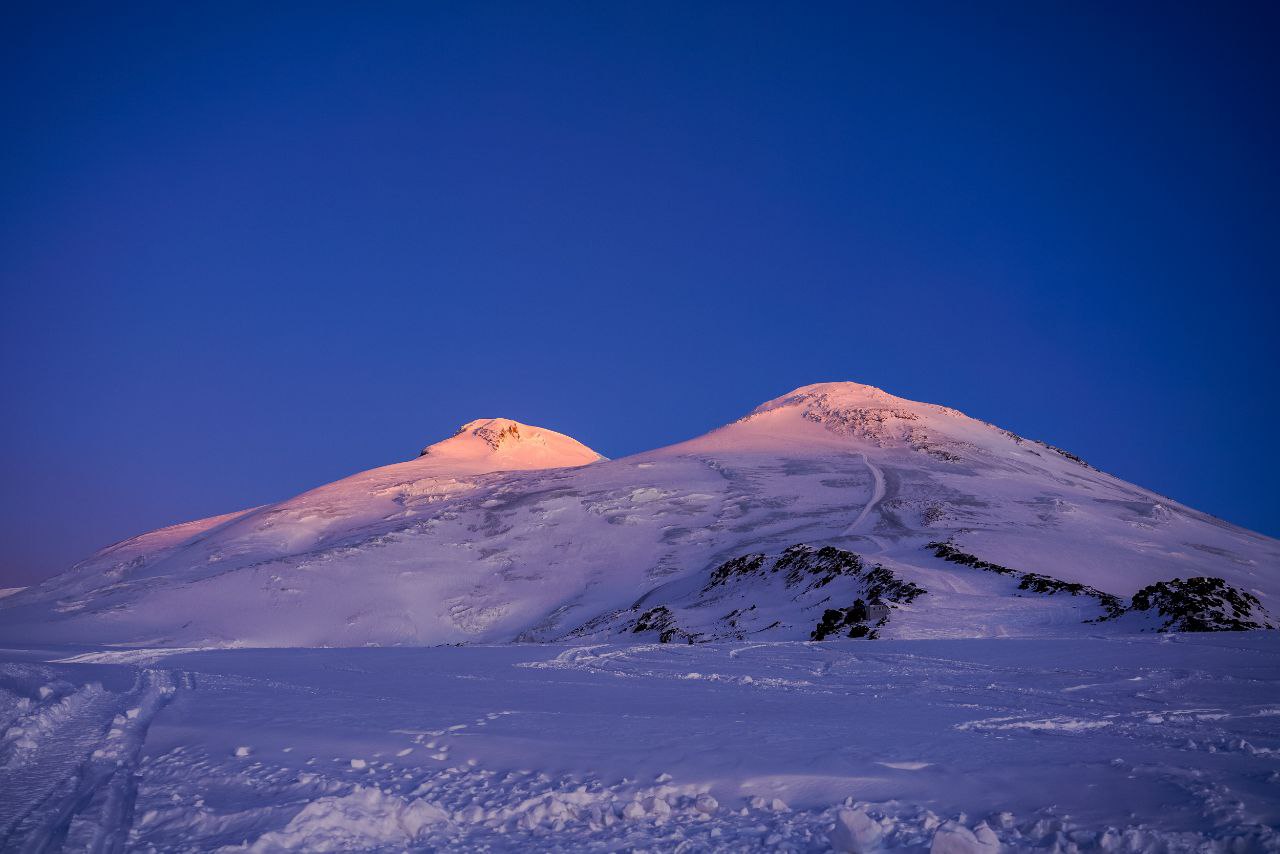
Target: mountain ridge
x: 507, y: 530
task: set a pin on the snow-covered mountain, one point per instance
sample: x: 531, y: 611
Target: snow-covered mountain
x: 835, y: 510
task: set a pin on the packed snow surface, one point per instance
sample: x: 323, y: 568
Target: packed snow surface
x: 1152, y: 743
x: 506, y: 531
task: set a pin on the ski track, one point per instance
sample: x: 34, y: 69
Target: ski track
x: 70, y: 782
x: 877, y: 493
x: 572, y: 749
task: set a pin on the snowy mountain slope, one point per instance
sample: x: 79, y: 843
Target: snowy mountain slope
x: 507, y: 531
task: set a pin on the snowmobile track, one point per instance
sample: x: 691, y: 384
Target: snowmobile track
x: 89, y: 806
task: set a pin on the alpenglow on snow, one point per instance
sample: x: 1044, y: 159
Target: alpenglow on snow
x: 837, y: 510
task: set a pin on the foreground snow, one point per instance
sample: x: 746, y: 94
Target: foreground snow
x: 1151, y: 743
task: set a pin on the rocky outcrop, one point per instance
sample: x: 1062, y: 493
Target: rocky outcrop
x: 1196, y: 605
x: 1032, y: 582
x: 1200, y: 605
x: 805, y: 593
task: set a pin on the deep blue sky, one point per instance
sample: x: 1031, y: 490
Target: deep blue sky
x: 248, y: 248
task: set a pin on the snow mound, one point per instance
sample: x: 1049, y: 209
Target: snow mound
x: 855, y: 832
x: 955, y: 838
x: 365, y: 818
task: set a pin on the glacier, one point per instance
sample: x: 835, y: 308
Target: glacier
x: 846, y: 621
x: 506, y: 531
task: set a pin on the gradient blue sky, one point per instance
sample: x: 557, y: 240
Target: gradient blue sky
x: 248, y: 248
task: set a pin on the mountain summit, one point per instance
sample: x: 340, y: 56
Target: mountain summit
x: 834, y: 511
x: 509, y: 446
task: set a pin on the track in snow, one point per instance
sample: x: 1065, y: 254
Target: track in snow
x: 877, y: 494
x: 70, y: 780
x: 1122, y: 745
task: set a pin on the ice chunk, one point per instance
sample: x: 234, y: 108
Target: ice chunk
x: 366, y: 818
x: 659, y: 807
x: 855, y: 832
x: 955, y: 838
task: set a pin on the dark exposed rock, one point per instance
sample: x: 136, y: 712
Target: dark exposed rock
x: 661, y: 620
x: 799, y: 565
x: 1195, y: 605
x: 851, y: 621
x: 949, y: 552
x: 739, y: 566
x: 1034, y: 582
x: 751, y: 580
x: 884, y: 586
x: 1068, y: 455
x: 926, y: 447
x: 818, y: 566
x: 1048, y: 585
x: 859, y: 620
x: 1201, y: 605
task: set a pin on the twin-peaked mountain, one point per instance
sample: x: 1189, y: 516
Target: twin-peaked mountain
x: 837, y: 510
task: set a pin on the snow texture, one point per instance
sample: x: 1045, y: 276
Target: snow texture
x: 506, y: 531
x: 846, y: 621
x: 1147, y: 743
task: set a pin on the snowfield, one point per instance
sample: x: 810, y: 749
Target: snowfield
x: 506, y: 531
x: 846, y: 621
x: 1154, y: 743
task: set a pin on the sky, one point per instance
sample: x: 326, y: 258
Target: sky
x: 246, y: 248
